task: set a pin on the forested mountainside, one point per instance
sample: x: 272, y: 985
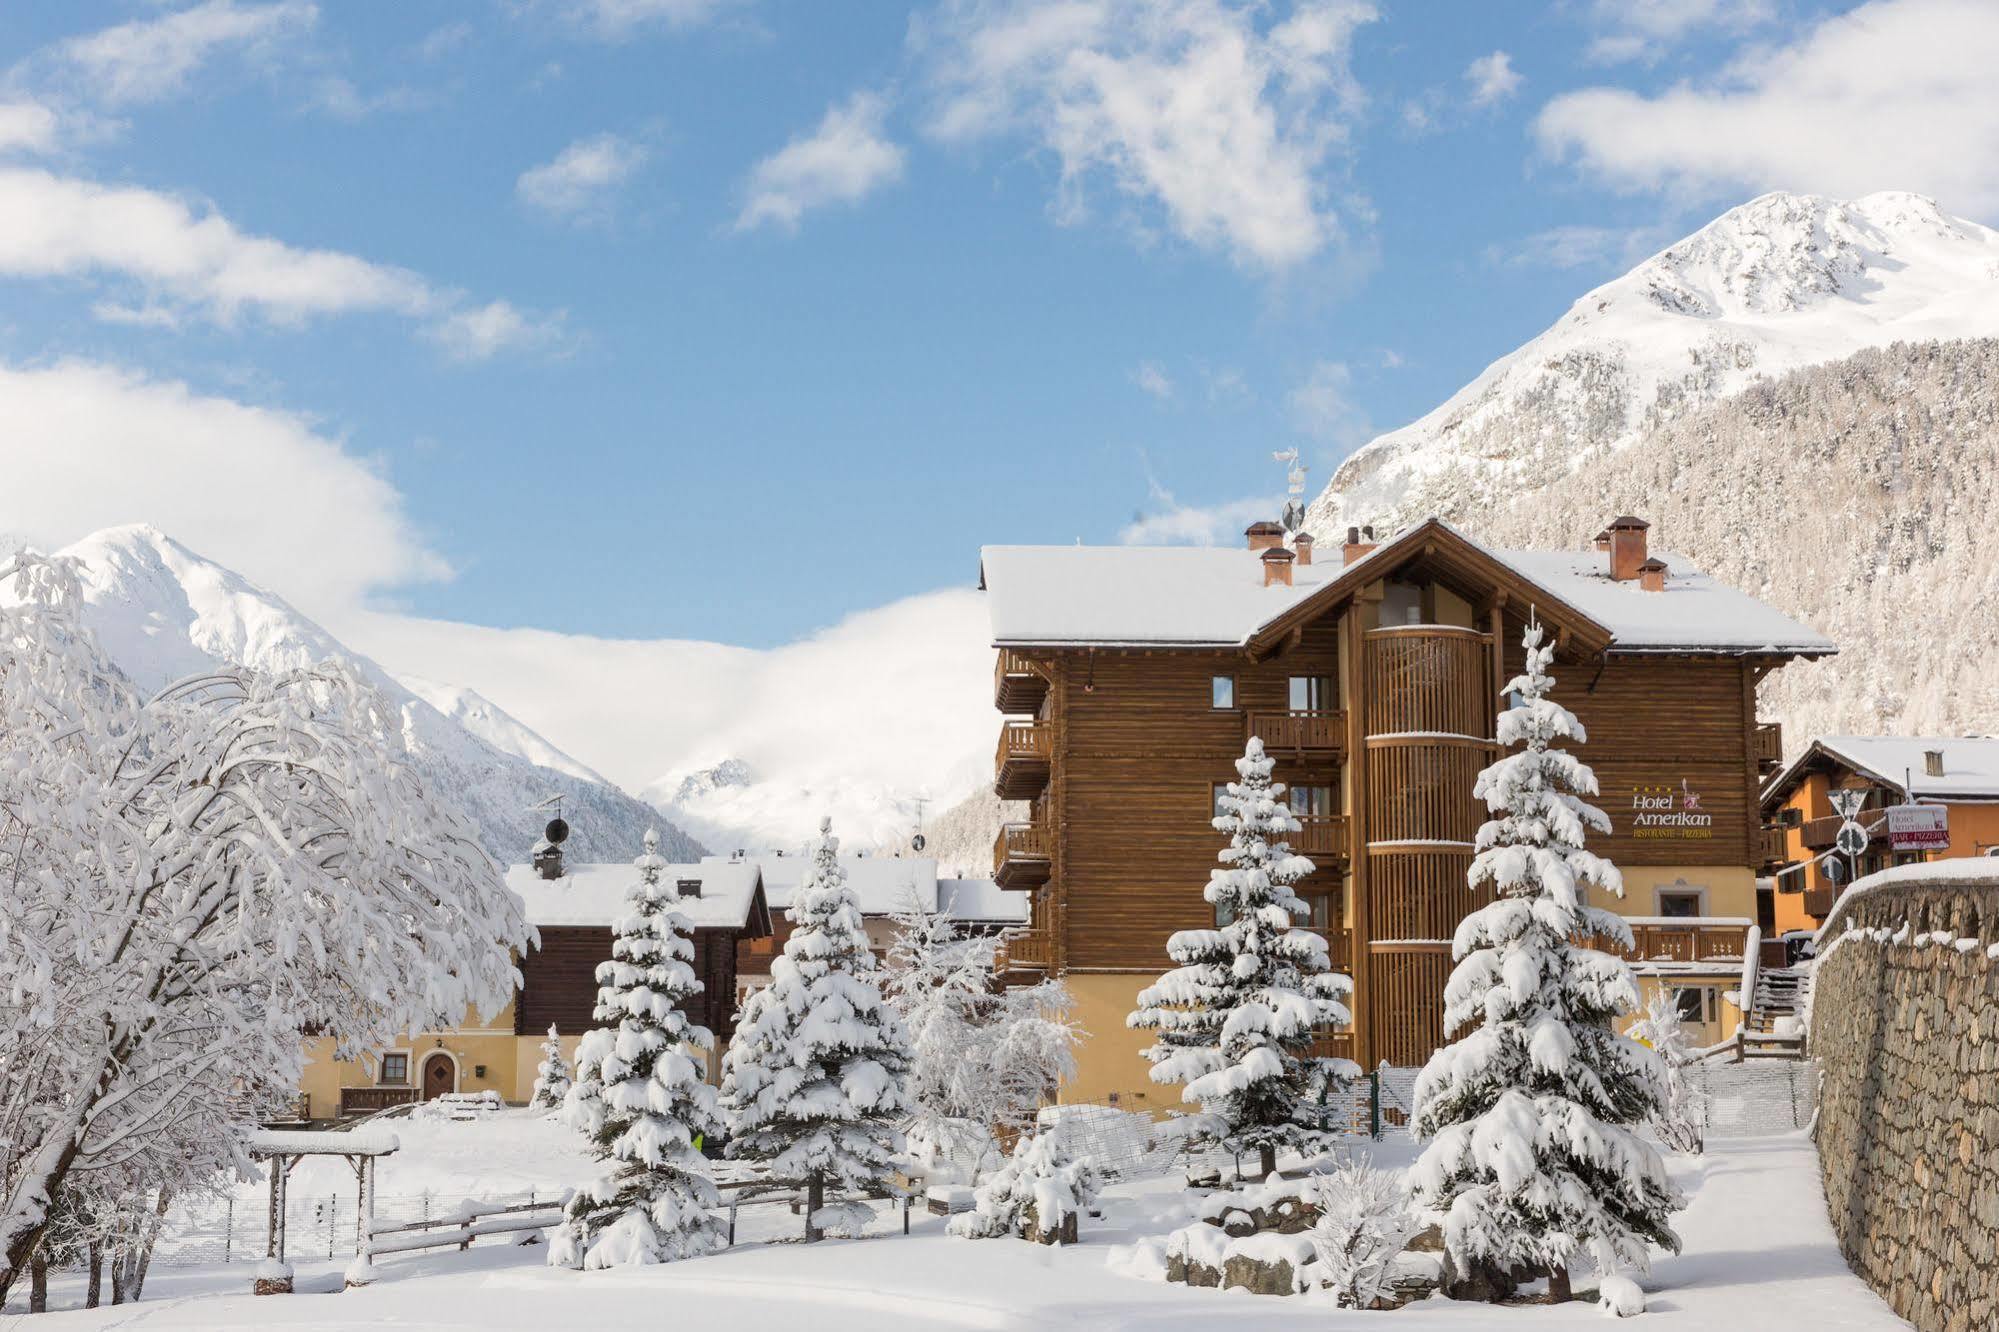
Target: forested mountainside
x: 961, y: 838
x: 1861, y: 496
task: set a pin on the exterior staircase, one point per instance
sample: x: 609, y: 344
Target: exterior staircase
x: 1780, y: 994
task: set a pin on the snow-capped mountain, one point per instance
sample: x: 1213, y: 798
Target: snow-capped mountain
x: 163, y: 612
x: 729, y: 804
x: 1781, y: 282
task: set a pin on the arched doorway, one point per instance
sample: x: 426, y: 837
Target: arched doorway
x: 440, y: 1075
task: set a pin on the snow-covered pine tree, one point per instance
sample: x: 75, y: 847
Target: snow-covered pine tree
x: 815, y: 1078
x: 1236, y: 1018
x: 1678, y: 1123
x: 1038, y: 1194
x: 552, y: 1076
x: 640, y: 1096
x: 1363, y: 1224
x: 1532, y: 1113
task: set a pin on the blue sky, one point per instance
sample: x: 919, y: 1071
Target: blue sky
x: 826, y: 295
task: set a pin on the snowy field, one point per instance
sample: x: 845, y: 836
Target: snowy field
x: 1759, y: 1254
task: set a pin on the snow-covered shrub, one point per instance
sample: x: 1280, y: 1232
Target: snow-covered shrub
x: 1678, y: 1122
x: 1530, y: 1115
x: 814, y: 1080
x: 193, y: 879
x: 1364, y: 1222
x: 1039, y: 1194
x: 1619, y: 1296
x: 1237, y: 1017
x: 640, y: 1096
x: 552, y: 1076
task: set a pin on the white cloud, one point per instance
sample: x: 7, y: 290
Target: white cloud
x: 1492, y: 78
x: 1222, y: 120
x: 1323, y: 406
x: 1154, y: 380
x: 1197, y: 525
x: 264, y: 491
x: 478, y: 332
x: 1896, y: 94
x: 617, y: 20
x: 1569, y: 247
x: 1644, y: 30
x: 147, y: 60
x: 842, y: 161
x: 26, y: 127
x: 186, y: 263
x: 578, y: 182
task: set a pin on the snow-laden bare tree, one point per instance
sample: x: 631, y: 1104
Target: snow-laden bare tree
x: 1236, y: 1019
x: 639, y: 1095
x: 979, y: 1061
x: 188, y: 881
x: 1680, y: 1116
x: 1532, y: 1114
x: 552, y: 1076
x: 815, y: 1081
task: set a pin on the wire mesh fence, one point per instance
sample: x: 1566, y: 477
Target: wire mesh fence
x: 1757, y: 1097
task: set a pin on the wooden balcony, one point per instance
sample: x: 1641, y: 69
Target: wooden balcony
x: 1333, y: 1045
x: 1818, y: 902
x: 1019, y: 684
x: 1767, y: 744
x: 1022, y: 957
x: 1022, y: 855
x: 1300, y: 731
x: 1020, y: 764
x: 1320, y: 836
x: 1819, y: 834
x: 367, y: 1100
x: 1684, y: 939
x: 1772, y: 847
x: 1339, y: 947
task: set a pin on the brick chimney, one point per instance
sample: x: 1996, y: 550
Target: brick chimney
x: 1652, y: 575
x: 1359, y: 542
x: 1302, y: 544
x: 1627, y: 546
x: 1277, y: 566
x: 1603, y: 540
x: 1264, y: 535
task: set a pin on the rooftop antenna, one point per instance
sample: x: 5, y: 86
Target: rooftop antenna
x: 547, y: 855
x: 1294, y: 487
x: 919, y: 841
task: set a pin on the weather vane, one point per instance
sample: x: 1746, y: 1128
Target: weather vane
x: 1294, y: 487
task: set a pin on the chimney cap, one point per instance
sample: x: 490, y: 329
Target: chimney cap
x: 1627, y: 523
x: 1276, y: 553
x: 1264, y: 528
x: 1302, y: 539
x: 1654, y: 564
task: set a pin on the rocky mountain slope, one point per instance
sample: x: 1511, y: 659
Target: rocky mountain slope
x: 1782, y: 282
x: 163, y: 612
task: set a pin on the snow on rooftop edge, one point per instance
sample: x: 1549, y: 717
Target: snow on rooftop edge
x: 599, y: 894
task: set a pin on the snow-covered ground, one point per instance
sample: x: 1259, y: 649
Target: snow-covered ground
x: 1758, y: 1254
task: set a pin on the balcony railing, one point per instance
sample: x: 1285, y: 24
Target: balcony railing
x: 1022, y: 855
x: 1320, y: 835
x: 1021, y: 951
x: 1684, y: 938
x: 1339, y: 946
x: 1818, y: 902
x: 367, y: 1100
x: 1300, y: 730
x: 1020, y: 763
x: 1820, y: 834
x: 1768, y: 745
x: 1019, y: 683
x: 1772, y: 846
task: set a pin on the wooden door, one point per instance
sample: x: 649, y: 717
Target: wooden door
x: 439, y: 1077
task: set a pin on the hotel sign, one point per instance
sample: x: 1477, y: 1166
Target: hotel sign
x: 1919, y: 828
x: 1670, y: 813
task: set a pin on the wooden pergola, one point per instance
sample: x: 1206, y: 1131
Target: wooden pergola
x: 283, y: 1149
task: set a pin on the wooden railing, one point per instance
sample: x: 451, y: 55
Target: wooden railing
x: 1018, y: 843
x: 1768, y: 744
x: 1684, y: 939
x: 1022, y: 950
x: 1320, y: 835
x: 1819, y: 834
x: 1300, y: 729
x: 1772, y: 847
x: 1427, y: 678
x: 1818, y: 902
x: 367, y: 1100
x: 1019, y: 684
x: 1025, y: 740
x: 1339, y: 946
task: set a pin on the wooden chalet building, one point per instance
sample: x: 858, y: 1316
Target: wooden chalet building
x: 573, y: 911
x: 1131, y: 678
x: 1960, y: 774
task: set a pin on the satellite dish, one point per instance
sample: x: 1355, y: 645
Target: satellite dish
x: 556, y: 833
x: 917, y: 843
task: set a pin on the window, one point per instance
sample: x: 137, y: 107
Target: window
x: 689, y: 887
x: 1219, y: 790
x: 1221, y: 691
x: 1766, y: 912
x: 1322, y: 910
x: 1313, y: 693
x: 395, y: 1070
x: 1310, y: 800
x: 1695, y: 1002
x: 1679, y: 903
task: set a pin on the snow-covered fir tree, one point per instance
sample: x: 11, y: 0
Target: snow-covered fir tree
x: 1532, y: 1115
x: 1038, y: 1194
x: 1680, y: 1116
x: 1236, y: 1018
x: 552, y: 1076
x: 1363, y: 1224
x: 639, y: 1095
x: 815, y: 1078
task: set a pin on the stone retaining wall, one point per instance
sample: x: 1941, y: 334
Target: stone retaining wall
x: 1905, y: 1028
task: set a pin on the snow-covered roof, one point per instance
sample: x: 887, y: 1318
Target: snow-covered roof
x: 1214, y: 597
x: 305, y: 1142
x: 885, y: 885
x: 981, y: 900
x: 1970, y: 763
x: 597, y: 894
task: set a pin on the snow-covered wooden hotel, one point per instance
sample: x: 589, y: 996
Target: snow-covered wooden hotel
x: 1131, y: 678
